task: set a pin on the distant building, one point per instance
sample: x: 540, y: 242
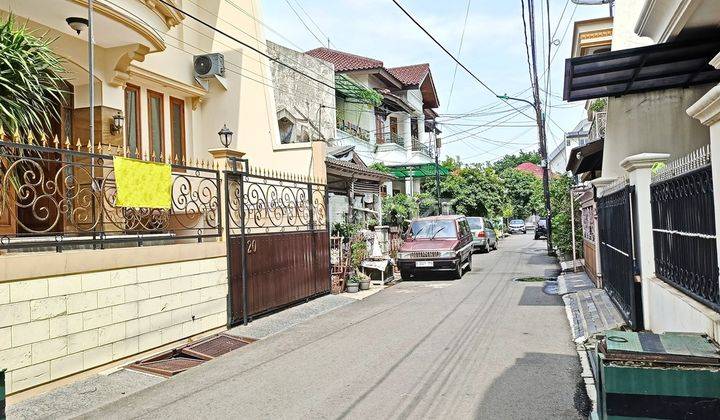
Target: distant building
x: 530, y: 168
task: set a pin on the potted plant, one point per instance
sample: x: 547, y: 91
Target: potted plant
x: 353, y: 284
x: 363, y: 281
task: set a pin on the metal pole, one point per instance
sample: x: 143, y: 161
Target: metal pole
x: 572, y: 224
x: 91, y: 86
x: 437, y: 170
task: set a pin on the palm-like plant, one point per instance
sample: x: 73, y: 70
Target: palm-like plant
x: 31, y: 84
x: 31, y: 87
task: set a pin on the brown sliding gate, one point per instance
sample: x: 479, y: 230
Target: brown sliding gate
x: 278, y: 241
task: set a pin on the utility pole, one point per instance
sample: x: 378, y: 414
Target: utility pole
x: 540, y: 118
x: 437, y: 169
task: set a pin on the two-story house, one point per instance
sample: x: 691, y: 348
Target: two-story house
x: 387, y: 114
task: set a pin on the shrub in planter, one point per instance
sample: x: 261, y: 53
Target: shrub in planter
x: 353, y: 285
x: 363, y: 281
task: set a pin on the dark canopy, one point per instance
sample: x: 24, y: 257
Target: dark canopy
x: 634, y: 70
x: 586, y: 158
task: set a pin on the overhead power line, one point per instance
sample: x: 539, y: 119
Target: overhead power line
x: 264, y: 54
x: 439, y: 44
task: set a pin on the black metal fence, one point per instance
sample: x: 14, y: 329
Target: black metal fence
x: 63, y: 196
x: 617, y: 254
x: 683, y: 214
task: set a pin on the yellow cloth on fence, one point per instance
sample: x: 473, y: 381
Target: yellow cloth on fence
x: 142, y: 184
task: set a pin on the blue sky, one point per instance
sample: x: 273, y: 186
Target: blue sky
x: 493, y: 48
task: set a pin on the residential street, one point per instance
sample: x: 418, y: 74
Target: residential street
x: 480, y: 347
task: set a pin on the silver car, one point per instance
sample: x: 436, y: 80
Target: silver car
x: 483, y: 233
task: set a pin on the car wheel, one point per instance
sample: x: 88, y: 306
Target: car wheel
x: 458, y: 271
x: 404, y: 275
x: 469, y: 261
x: 537, y: 237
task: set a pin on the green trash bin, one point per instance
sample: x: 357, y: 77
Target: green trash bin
x: 660, y: 376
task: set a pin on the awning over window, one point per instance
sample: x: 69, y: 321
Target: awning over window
x: 418, y: 171
x: 635, y: 70
x: 349, y: 89
x: 586, y: 158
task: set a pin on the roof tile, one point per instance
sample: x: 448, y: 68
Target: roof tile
x: 345, y: 61
x: 411, y: 75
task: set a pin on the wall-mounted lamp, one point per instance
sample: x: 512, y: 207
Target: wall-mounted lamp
x: 117, y: 123
x: 225, y: 136
x: 77, y: 24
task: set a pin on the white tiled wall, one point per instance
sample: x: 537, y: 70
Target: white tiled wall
x: 54, y: 327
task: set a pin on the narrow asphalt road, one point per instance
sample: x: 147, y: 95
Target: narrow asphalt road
x: 480, y: 347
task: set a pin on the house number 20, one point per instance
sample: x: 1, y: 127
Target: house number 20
x: 251, y: 246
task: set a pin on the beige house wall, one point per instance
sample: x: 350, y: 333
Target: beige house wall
x: 653, y: 122
x: 164, y: 63
x: 58, y: 326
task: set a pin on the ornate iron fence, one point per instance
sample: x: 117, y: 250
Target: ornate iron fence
x: 60, y: 197
x: 617, y: 251
x: 275, y: 202
x: 683, y: 214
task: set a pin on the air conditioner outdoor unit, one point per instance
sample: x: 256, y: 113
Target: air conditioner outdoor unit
x: 209, y: 65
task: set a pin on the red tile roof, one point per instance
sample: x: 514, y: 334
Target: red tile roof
x: 344, y: 61
x: 411, y: 75
x: 531, y: 168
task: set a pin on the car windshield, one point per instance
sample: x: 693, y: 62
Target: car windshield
x: 517, y: 222
x: 542, y: 222
x: 428, y: 229
x: 475, y: 223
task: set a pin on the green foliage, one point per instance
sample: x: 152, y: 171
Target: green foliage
x: 561, y: 220
x: 599, y: 105
x: 379, y: 166
x: 472, y: 189
x: 30, y: 80
x: 358, y: 252
x: 398, y: 209
x: 512, y: 161
x: 524, y: 193
x: 346, y: 230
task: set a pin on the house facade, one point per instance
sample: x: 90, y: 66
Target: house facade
x: 651, y: 174
x: 387, y: 115
x: 77, y: 293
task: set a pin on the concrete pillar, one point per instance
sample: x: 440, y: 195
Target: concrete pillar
x: 599, y: 184
x: 639, y: 169
x: 707, y: 110
x: 405, y: 131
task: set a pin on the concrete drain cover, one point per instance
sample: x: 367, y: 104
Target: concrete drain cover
x: 215, y: 346
x: 166, y: 367
x: 534, y: 279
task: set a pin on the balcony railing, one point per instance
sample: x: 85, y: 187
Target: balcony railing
x: 393, y: 138
x: 418, y: 146
x: 683, y: 219
x: 63, y: 197
x: 353, y: 129
x: 597, y: 129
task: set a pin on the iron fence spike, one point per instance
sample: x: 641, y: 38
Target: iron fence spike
x: 43, y: 139
x: 2, y: 133
x: 16, y: 136
x: 67, y: 143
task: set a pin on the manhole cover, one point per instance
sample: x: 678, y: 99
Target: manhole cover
x: 215, y: 346
x: 534, y: 279
x: 167, y: 367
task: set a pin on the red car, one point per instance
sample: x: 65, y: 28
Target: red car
x: 440, y: 243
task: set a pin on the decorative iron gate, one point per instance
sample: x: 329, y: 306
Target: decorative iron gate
x: 617, y: 252
x: 278, y: 241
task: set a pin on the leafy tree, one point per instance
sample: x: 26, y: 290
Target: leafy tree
x: 31, y: 84
x: 512, y: 161
x: 379, y: 166
x: 398, y: 209
x: 472, y: 189
x: 524, y: 192
x: 561, y: 220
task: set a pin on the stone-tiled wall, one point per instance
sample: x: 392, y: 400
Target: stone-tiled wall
x: 54, y: 327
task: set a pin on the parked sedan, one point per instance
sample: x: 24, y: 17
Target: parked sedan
x: 517, y: 225
x: 440, y: 243
x: 483, y: 232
